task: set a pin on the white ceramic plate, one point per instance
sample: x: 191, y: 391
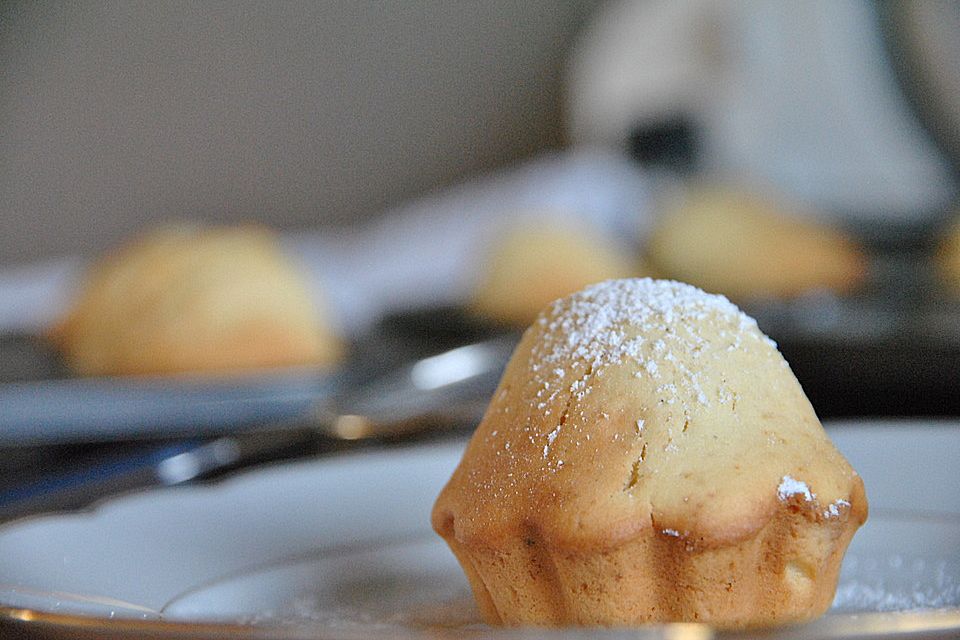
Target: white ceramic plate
x: 341, y: 547
x: 74, y: 410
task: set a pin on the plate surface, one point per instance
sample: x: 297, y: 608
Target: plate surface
x: 41, y: 403
x: 898, y: 563
x: 341, y: 548
x: 73, y: 410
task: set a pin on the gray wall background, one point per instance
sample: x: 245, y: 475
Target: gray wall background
x: 117, y: 113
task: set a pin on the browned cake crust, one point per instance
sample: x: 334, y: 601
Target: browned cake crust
x: 187, y: 299
x: 649, y: 456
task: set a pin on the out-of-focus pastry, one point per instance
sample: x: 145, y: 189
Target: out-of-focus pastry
x: 185, y: 299
x: 745, y: 246
x: 948, y: 258
x: 649, y: 457
x: 533, y: 263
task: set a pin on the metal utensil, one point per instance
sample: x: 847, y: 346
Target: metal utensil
x: 434, y: 394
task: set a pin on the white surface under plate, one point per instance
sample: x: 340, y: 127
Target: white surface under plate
x: 341, y: 547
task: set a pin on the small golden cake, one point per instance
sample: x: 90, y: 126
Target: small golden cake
x: 649, y: 457
x: 948, y: 258
x: 743, y: 246
x: 186, y: 299
x: 534, y: 263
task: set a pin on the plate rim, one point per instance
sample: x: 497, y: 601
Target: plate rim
x: 889, y: 625
x: 934, y: 622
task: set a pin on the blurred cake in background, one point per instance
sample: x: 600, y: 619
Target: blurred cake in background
x: 948, y: 257
x: 747, y: 246
x: 534, y: 262
x: 186, y: 298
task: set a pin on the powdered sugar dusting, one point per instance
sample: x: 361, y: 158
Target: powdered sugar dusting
x: 642, y: 321
x: 606, y: 324
x: 833, y: 509
x: 790, y: 487
x: 659, y: 328
x: 550, y: 438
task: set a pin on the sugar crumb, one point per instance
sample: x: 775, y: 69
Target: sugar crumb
x: 790, y: 487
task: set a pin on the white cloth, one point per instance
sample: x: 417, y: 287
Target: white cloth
x: 794, y: 95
